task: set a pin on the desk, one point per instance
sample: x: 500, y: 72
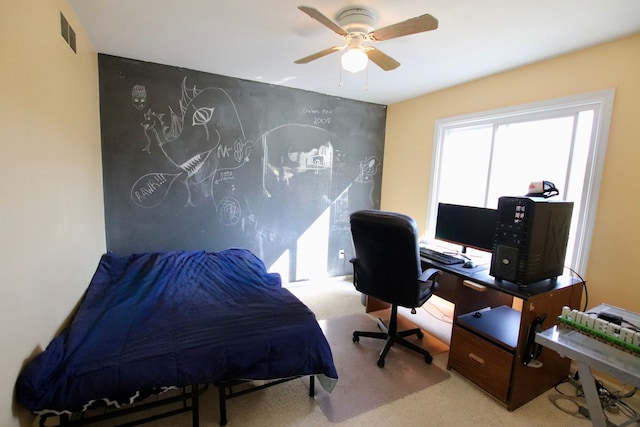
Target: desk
x: 493, y: 361
x: 590, y: 353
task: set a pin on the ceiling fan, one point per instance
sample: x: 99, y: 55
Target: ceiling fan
x: 355, y: 24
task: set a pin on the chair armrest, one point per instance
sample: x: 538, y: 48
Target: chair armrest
x: 354, y: 261
x: 429, y: 274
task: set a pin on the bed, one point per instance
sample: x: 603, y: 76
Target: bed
x: 177, y: 319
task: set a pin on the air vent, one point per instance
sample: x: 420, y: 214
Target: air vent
x: 67, y: 32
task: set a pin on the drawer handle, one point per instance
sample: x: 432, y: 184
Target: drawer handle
x: 476, y: 359
x: 473, y: 285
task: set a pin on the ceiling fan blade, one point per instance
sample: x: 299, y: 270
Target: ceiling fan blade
x: 318, y: 55
x: 315, y: 14
x: 415, y: 25
x: 381, y: 59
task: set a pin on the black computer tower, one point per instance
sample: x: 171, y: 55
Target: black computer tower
x: 530, y: 241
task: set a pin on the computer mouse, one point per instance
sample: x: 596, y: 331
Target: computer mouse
x: 469, y: 264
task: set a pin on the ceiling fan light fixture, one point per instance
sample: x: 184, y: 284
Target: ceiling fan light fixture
x: 354, y: 60
x: 355, y: 25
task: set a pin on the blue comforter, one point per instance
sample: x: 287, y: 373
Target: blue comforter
x: 173, y: 319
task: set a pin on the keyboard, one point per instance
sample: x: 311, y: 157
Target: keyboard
x: 440, y: 257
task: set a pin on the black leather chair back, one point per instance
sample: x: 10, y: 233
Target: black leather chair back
x: 387, y: 256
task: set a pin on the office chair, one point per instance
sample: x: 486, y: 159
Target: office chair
x: 387, y: 266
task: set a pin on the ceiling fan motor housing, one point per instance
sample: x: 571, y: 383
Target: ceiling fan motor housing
x: 357, y: 19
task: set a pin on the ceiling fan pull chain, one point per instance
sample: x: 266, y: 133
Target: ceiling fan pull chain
x: 366, y: 78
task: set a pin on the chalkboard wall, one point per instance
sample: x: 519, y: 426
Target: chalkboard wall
x: 194, y: 160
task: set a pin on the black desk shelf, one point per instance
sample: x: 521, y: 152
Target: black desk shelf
x: 500, y: 325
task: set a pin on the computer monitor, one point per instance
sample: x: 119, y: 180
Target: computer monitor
x: 467, y: 226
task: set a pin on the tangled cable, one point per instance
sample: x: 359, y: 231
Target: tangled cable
x: 611, y: 401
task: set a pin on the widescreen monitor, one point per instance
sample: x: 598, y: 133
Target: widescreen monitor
x: 467, y: 226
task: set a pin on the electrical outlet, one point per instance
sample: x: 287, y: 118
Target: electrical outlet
x: 341, y: 254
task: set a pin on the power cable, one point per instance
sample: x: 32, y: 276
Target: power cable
x: 610, y: 402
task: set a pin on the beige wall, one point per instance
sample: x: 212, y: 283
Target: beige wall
x: 52, y: 227
x: 612, y: 273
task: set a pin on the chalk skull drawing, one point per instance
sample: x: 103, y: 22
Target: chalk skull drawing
x: 139, y: 96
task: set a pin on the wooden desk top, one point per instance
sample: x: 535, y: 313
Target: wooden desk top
x: 480, y: 274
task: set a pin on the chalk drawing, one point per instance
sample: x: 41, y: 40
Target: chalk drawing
x: 139, y: 96
x: 203, y: 139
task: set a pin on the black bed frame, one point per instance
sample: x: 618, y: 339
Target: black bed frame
x: 225, y: 392
x: 189, y: 396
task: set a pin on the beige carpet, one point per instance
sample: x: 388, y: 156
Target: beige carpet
x: 362, y: 385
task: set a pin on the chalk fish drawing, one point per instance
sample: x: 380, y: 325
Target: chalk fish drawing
x: 204, y: 139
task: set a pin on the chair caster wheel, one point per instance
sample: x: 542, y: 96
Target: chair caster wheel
x: 428, y: 358
x: 380, y: 363
x: 356, y: 338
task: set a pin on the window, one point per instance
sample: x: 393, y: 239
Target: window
x: 481, y: 157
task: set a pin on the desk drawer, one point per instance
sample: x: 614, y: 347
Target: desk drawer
x: 481, y: 361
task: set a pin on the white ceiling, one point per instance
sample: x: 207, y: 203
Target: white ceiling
x: 260, y: 39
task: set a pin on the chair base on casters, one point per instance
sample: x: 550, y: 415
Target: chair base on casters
x: 391, y: 335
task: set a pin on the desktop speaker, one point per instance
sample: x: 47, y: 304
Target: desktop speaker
x: 530, y: 240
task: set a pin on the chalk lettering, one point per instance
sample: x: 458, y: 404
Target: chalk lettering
x: 321, y: 120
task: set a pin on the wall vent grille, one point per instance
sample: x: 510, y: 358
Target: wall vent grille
x: 67, y: 32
